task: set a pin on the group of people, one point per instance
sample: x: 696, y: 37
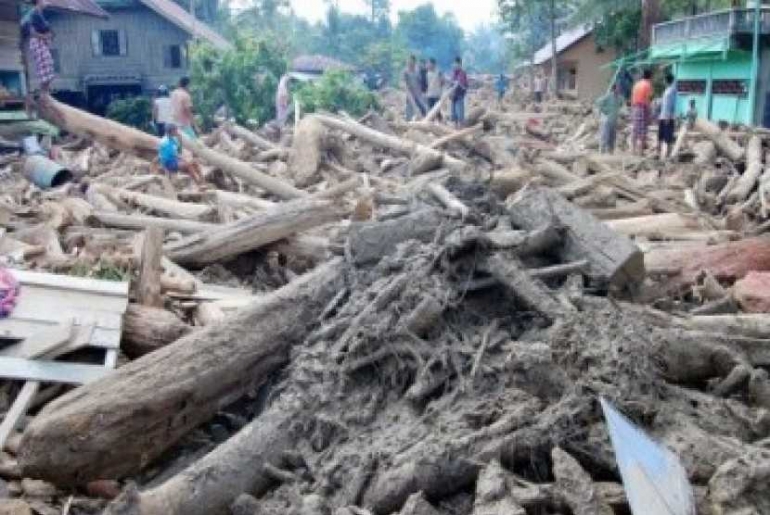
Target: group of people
x: 172, y: 115
x: 644, y: 108
x: 425, y: 86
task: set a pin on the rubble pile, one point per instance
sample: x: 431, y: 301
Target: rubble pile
x: 376, y: 316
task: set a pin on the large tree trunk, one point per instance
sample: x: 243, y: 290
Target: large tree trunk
x: 724, y: 144
x: 748, y: 181
x: 146, y: 330
x: 268, y: 226
x: 107, y: 132
x: 614, y: 259
x: 114, y: 427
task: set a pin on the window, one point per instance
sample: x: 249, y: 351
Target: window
x: 109, y: 43
x: 736, y: 88
x: 692, y: 87
x: 174, y: 56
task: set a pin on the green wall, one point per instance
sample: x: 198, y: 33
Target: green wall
x: 731, y: 66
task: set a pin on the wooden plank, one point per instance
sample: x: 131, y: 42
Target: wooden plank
x: 42, y: 343
x: 105, y: 338
x: 50, y: 371
x: 66, y: 282
x: 18, y: 410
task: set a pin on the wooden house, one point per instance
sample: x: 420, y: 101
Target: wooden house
x: 142, y: 45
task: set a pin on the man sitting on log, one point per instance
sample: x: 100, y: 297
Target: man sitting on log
x: 170, y: 156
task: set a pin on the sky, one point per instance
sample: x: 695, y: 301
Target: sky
x: 469, y: 13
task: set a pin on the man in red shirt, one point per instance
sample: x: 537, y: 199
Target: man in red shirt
x: 641, y: 100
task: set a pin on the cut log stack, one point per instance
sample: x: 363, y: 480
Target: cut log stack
x: 377, y: 317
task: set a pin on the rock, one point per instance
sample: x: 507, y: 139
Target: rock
x: 103, y: 489
x: 14, y: 507
x: 753, y: 292
x: 245, y: 504
x: 418, y: 505
x: 38, y: 488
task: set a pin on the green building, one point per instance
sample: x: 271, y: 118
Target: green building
x: 713, y: 60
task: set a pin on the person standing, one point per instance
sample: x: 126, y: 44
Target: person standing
x: 460, y: 85
x: 162, y: 113
x: 182, y: 108
x: 609, y: 107
x: 501, y: 86
x: 411, y: 78
x: 641, y: 100
x: 667, y: 119
x: 37, y: 31
x: 435, y: 84
x: 423, y: 77
x: 538, y: 87
x: 282, y: 101
x: 692, y: 115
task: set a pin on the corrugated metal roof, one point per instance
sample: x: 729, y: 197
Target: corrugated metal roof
x: 185, y: 21
x: 317, y: 64
x: 79, y: 6
x: 563, y: 42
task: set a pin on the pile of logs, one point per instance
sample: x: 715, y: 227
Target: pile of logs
x: 376, y: 317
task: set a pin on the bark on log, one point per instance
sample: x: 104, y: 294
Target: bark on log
x: 725, y: 145
x: 746, y: 183
x: 185, y: 210
x: 242, y: 170
x: 139, y: 222
x: 727, y: 262
x: 146, y: 330
x: 307, y: 151
x: 148, y: 284
x: 251, y: 233
x: 107, y: 132
x: 614, y: 259
x: 387, y: 141
x: 248, y: 136
x: 116, y: 426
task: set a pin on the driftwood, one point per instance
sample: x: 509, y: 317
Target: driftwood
x: 147, y: 329
x: 116, y: 426
x: 250, y: 137
x: 724, y: 144
x: 242, y: 170
x: 448, y: 200
x: 139, y: 222
x: 368, y: 242
x: 268, y: 226
x: 434, y: 112
x: 746, y: 183
x: 705, y: 153
x: 308, y: 148
x: 614, y: 259
x: 185, y: 210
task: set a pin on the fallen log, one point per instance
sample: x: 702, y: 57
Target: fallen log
x: 268, y: 226
x: 680, y: 139
x: 448, y: 200
x: 434, y: 112
x: 753, y: 292
x: 107, y: 132
x: 308, y: 147
x: 726, y: 262
x: 140, y: 222
x: 576, y: 487
x: 746, y: 182
x: 116, y: 426
x: 613, y: 259
x: 555, y: 172
x: 633, y: 210
x: 242, y: 170
x: 456, y: 135
x: 383, y: 140
x: 147, y: 329
x: 510, y: 181
x: 747, y: 326
x: 185, y: 210
x: 248, y: 136
x: 724, y: 144
x: 665, y: 225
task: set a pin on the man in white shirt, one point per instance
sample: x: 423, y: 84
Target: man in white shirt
x: 162, y: 111
x: 435, y: 84
x: 539, y: 88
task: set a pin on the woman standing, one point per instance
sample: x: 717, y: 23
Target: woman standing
x: 36, y: 28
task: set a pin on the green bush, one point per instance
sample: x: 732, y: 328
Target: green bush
x: 243, y: 78
x: 135, y: 112
x: 336, y: 91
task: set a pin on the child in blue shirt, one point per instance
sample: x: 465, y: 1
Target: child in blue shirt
x: 170, y: 155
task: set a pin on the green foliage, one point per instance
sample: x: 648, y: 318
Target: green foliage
x: 426, y: 33
x: 244, y: 79
x: 103, y: 270
x: 487, y: 50
x: 336, y: 91
x: 134, y: 111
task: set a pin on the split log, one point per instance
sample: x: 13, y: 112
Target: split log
x: 147, y: 329
x: 173, y: 208
x: 576, y: 487
x: 746, y: 183
x: 726, y: 262
x: 307, y: 151
x: 242, y: 170
x: 614, y: 259
x: 724, y: 144
x: 268, y: 226
x: 387, y: 141
x: 107, y: 132
x: 139, y: 222
x: 251, y: 137
x: 148, y: 284
x: 118, y: 425
x: 528, y: 291
x: 449, y: 201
